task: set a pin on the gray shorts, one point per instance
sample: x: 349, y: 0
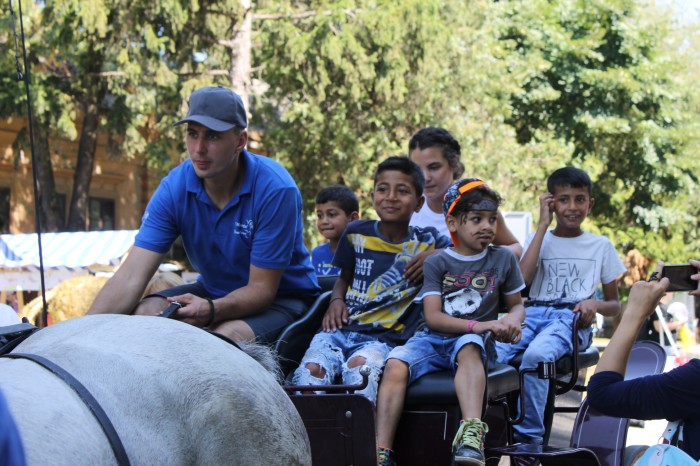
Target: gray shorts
x: 267, y: 325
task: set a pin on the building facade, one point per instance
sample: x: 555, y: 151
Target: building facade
x: 119, y: 191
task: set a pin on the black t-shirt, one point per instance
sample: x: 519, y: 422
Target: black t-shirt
x: 648, y: 332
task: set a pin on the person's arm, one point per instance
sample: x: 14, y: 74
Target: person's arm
x: 337, y: 314
x: 609, y: 306
x: 506, y: 329
x: 123, y: 290
x: 529, y: 261
x: 646, y: 397
x: 414, y: 269
x: 509, y: 328
x: 643, y: 299
x: 505, y: 237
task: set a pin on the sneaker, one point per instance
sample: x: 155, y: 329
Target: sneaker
x: 385, y: 457
x: 468, y: 445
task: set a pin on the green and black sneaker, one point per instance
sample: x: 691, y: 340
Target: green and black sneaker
x: 385, y: 457
x: 468, y: 445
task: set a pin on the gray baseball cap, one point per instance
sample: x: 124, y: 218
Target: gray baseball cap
x: 217, y: 108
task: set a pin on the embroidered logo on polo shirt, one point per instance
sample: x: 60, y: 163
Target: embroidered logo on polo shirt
x: 244, y: 229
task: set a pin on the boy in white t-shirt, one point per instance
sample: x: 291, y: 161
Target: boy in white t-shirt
x: 563, y: 268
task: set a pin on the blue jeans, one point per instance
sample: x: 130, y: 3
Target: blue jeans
x: 427, y: 352
x: 332, y: 351
x: 546, y: 337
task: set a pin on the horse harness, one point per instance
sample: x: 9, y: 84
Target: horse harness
x: 14, y: 335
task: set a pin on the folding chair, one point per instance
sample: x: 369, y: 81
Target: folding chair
x: 567, y: 370
x: 596, y: 439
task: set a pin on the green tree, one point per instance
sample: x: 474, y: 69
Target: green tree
x: 349, y: 82
x: 598, y: 80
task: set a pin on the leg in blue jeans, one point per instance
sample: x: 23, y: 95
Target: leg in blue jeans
x: 552, y: 342
x: 329, y: 355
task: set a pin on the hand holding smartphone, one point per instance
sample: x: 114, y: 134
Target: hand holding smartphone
x: 679, y: 277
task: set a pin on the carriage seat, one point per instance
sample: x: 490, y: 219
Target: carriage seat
x: 326, y: 282
x: 439, y: 387
x: 295, y: 338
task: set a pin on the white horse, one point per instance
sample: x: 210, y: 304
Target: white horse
x: 175, y: 395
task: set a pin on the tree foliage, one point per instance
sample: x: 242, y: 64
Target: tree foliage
x: 601, y: 78
x: 525, y: 85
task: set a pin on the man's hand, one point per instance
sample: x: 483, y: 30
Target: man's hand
x: 588, y: 309
x: 194, y: 311
x: 336, y: 316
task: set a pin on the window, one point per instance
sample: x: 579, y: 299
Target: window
x: 101, y: 214
x: 4, y: 210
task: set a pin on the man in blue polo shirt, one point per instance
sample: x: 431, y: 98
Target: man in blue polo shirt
x: 239, y: 215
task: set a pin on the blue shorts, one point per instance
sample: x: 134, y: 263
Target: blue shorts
x: 427, y: 352
x: 267, y: 325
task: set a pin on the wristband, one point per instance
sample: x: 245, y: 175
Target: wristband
x: 212, y: 312
x: 335, y: 299
x: 470, y: 325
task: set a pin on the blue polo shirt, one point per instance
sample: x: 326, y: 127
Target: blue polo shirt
x: 262, y: 225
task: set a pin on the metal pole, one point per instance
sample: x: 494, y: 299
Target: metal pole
x: 666, y: 331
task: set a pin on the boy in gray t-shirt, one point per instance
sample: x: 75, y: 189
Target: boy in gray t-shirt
x: 462, y: 290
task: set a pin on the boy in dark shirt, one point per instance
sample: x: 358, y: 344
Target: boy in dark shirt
x: 371, y: 308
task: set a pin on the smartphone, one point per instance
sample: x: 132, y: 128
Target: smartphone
x: 679, y: 276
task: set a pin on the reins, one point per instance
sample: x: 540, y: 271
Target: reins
x: 85, y: 395
x: 16, y: 334
x: 169, y: 313
x: 37, y: 205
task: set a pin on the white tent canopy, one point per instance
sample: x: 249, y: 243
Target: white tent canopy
x: 65, y: 255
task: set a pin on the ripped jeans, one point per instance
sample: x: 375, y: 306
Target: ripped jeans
x: 333, y: 350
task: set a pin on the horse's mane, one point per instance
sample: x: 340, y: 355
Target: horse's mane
x: 265, y: 356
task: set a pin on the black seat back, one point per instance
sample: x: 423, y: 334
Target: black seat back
x: 294, y: 340
x: 326, y: 282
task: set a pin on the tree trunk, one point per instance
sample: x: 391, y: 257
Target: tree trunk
x: 77, y: 220
x: 91, y: 100
x: 241, y: 55
x: 51, y: 218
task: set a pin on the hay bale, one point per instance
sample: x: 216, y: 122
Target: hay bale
x: 70, y: 299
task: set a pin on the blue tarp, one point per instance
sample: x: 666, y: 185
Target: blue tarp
x: 74, y: 249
